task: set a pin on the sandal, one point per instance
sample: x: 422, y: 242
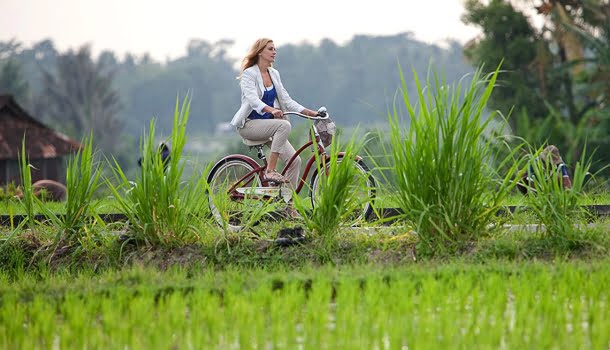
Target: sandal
x: 274, y: 176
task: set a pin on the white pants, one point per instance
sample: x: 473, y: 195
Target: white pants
x: 278, y: 129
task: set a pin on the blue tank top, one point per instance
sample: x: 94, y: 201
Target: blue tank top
x: 268, y: 97
x: 562, y: 167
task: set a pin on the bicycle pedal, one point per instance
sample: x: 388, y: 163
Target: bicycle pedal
x: 275, y: 183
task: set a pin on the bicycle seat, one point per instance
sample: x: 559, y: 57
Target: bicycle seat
x: 252, y: 143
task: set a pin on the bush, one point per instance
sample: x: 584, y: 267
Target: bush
x: 445, y: 177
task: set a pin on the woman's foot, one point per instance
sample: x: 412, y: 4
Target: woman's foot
x: 273, y: 175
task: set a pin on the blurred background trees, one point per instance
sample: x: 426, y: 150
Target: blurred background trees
x: 555, y: 85
x: 12, y: 79
x: 116, y: 97
x: 80, y: 98
x: 557, y: 72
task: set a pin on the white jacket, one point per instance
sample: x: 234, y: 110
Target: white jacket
x: 252, y: 90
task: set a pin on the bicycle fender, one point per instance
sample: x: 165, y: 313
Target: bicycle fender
x: 243, y: 157
x: 225, y: 159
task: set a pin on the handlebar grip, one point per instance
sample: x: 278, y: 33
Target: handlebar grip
x: 322, y: 111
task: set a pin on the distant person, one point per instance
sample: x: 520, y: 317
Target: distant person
x: 163, y: 151
x: 549, y: 156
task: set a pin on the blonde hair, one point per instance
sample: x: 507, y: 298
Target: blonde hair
x: 252, y: 56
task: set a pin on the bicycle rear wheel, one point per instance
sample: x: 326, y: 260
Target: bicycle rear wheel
x: 362, y: 187
x: 227, y: 207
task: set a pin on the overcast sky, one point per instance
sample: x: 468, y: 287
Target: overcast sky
x: 163, y: 28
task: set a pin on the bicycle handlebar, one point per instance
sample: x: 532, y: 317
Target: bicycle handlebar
x: 306, y: 116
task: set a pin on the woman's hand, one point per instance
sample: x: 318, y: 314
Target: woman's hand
x: 309, y: 112
x: 277, y: 114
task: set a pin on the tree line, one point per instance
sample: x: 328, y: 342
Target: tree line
x: 554, y: 85
x: 75, y: 91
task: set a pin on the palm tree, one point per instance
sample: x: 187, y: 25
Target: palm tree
x: 82, y: 99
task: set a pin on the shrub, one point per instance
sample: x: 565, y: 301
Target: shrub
x: 445, y: 177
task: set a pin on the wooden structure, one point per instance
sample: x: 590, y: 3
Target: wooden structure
x: 44, y: 147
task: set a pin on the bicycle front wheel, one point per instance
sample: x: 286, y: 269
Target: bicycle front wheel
x: 362, y: 188
x: 226, y: 205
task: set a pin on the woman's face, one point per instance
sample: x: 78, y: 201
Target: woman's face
x: 268, y: 53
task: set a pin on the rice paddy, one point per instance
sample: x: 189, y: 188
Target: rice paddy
x: 446, y: 276
x: 500, y: 305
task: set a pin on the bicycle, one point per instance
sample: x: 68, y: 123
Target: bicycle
x: 242, y: 177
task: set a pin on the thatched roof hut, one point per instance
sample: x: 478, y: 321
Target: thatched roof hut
x: 45, y: 147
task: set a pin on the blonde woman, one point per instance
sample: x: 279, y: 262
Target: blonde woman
x: 263, y: 103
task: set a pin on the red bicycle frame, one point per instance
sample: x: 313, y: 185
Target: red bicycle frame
x: 260, y: 169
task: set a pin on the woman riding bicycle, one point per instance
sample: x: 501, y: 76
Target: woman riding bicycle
x: 263, y: 103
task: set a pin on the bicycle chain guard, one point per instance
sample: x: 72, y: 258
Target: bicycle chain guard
x: 282, y: 192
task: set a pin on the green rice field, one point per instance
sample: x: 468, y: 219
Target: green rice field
x: 531, y: 305
x: 449, y: 274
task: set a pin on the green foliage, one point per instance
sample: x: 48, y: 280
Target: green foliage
x: 487, y: 306
x: 556, y: 77
x: 554, y: 206
x: 12, y: 80
x: 508, y: 37
x: 444, y: 167
x: 336, y: 197
x: 82, y: 181
x: 29, y: 200
x: 79, y: 93
x: 9, y: 192
x: 161, y: 207
x: 555, y: 127
x: 374, y: 153
x: 238, y: 218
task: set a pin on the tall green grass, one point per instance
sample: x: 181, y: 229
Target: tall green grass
x: 240, y: 217
x: 444, y: 175
x: 29, y: 200
x: 161, y: 206
x: 554, y: 206
x: 78, y: 212
x: 337, y: 202
x: 83, y: 179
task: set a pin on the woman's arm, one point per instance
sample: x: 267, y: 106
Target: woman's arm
x: 309, y: 112
x: 250, y: 91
